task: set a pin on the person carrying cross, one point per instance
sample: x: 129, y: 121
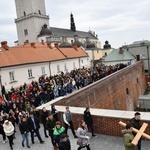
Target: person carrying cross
x: 137, y: 125
x: 128, y: 137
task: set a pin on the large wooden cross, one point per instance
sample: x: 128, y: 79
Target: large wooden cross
x: 139, y: 132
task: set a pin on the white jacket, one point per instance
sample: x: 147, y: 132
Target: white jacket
x: 8, y: 129
x: 81, y: 134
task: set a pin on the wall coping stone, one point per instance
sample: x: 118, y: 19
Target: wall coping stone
x: 121, y: 114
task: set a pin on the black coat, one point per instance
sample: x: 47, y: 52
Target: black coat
x: 31, y: 124
x: 44, y: 115
x: 24, y: 127
x: 65, y: 145
x: 50, y: 124
x: 88, y: 118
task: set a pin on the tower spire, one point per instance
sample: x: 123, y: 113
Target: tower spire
x: 72, y: 24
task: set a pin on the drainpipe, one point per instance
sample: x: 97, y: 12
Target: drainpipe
x: 79, y: 63
x: 49, y: 68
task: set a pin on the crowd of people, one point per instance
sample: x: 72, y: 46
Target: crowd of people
x: 18, y: 106
x: 29, y: 123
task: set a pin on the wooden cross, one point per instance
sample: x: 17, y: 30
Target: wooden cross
x: 139, y: 132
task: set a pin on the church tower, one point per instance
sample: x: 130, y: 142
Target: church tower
x: 72, y: 24
x: 31, y: 16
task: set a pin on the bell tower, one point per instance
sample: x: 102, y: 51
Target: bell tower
x: 31, y: 16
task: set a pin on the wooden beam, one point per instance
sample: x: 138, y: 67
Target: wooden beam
x: 139, y: 134
x: 135, y: 130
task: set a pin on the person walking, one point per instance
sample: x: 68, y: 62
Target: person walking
x: 128, y: 137
x: 64, y: 143
x: 24, y: 129
x: 58, y: 131
x: 89, y: 120
x: 83, y: 139
x: 67, y: 117
x: 2, y: 129
x: 137, y: 125
x: 44, y: 115
x: 9, y: 131
x: 34, y: 127
x: 50, y: 125
x: 54, y: 112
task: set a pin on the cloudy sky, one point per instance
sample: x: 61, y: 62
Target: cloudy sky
x: 118, y: 21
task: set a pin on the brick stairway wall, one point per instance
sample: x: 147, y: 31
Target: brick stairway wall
x: 115, y: 91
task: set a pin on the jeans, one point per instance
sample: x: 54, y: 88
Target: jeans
x: 38, y: 135
x: 45, y: 130
x: 139, y: 145
x: 90, y: 126
x: 25, y: 138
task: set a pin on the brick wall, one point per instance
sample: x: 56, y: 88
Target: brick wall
x: 119, y: 91
x: 105, y: 125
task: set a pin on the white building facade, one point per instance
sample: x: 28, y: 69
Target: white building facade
x: 17, y: 75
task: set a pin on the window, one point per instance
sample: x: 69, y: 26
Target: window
x: 43, y: 70
x: 30, y: 73
x: 74, y: 65
x: 97, y: 51
x: 65, y: 66
x: 25, y: 32
x: 39, y: 12
x: 12, y: 76
x: 24, y: 13
x: 137, y: 80
x: 58, y: 69
x: 127, y: 91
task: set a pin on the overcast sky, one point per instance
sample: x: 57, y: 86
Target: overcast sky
x: 118, y: 21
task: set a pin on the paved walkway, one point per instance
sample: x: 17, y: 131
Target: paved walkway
x: 102, y: 142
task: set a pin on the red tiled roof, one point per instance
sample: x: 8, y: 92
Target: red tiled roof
x: 24, y: 54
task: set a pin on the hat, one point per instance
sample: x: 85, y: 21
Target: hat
x: 6, y: 121
x: 137, y: 114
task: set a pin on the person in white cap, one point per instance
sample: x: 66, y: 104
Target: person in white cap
x: 9, y: 131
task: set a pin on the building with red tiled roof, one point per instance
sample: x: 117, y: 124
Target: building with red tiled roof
x: 28, y: 62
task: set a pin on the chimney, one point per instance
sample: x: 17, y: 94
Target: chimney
x: 33, y: 44
x: 75, y: 46
x: 49, y: 45
x: 56, y: 45
x: 4, y: 45
x: 120, y: 50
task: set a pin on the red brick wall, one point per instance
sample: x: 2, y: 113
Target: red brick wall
x: 105, y: 125
x: 110, y: 92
